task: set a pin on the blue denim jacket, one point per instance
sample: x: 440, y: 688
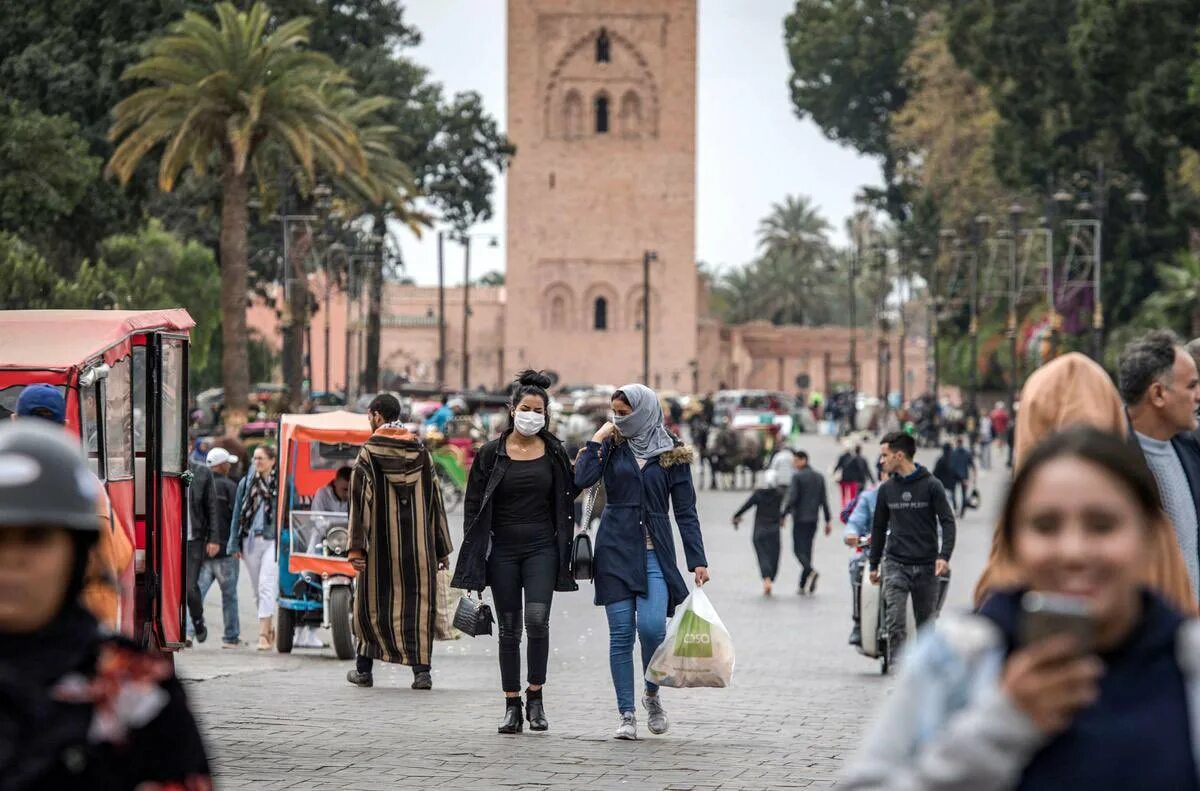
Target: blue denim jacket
x: 948, y: 726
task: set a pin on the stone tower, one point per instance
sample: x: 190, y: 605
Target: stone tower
x: 602, y: 109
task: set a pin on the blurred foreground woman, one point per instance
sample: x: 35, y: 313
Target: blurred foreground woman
x: 987, y: 702
x: 77, y: 709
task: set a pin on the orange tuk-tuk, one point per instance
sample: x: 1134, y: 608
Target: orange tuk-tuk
x: 123, y: 374
x: 316, y: 580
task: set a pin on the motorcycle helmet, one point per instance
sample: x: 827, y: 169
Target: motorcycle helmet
x: 44, y: 479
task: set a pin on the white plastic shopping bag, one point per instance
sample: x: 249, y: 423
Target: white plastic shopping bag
x: 697, y: 651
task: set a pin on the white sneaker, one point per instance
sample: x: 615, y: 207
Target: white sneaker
x: 627, y: 730
x: 306, y: 637
x: 656, y: 718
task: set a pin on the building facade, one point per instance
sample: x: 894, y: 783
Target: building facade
x: 602, y: 109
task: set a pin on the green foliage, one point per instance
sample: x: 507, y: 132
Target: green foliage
x: 847, y: 59
x: 45, y: 169
x: 159, y: 270
x: 491, y: 279
x: 216, y: 94
x: 26, y: 280
x: 797, y: 279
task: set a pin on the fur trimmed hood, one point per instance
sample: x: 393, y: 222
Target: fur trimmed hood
x: 680, y: 454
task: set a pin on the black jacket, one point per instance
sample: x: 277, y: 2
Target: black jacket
x: 202, y: 501
x: 768, y: 505
x: 907, y: 515
x: 470, y: 571
x: 226, y: 493
x: 806, y: 497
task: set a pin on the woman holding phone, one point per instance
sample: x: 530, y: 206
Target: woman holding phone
x: 982, y: 705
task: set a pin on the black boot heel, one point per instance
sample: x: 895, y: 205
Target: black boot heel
x: 535, y: 712
x: 512, y: 717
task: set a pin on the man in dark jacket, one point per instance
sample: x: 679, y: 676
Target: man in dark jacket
x: 806, y: 498
x: 963, y: 464
x: 202, y: 530
x: 219, y: 566
x: 912, y: 505
x: 1159, y: 383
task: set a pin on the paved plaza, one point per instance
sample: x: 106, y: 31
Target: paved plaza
x: 799, y: 701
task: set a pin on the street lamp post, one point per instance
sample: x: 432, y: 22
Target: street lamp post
x: 647, y: 257
x: 441, y: 316
x: 466, y: 343
x: 1015, y: 212
x: 854, y: 261
x: 982, y: 221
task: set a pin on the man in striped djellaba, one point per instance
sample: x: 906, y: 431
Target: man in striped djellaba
x: 398, y: 540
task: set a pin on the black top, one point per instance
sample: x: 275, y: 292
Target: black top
x: 908, y: 513
x: 768, y: 503
x: 524, y: 501
x: 1137, y: 734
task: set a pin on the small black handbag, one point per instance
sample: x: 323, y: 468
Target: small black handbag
x: 472, y: 617
x: 581, y: 547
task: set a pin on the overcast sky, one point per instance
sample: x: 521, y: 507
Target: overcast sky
x: 751, y: 149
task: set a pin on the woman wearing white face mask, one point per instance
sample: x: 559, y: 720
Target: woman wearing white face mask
x: 517, y: 531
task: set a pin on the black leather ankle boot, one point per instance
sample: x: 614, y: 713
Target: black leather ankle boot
x: 512, y: 717
x: 535, y: 711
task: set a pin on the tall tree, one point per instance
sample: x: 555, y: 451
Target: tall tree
x: 223, y: 91
x: 847, y: 59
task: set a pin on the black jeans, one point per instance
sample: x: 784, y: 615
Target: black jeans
x: 900, y: 581
x: 532, y: 569
x: 802, y: 543
x: 196, y: 555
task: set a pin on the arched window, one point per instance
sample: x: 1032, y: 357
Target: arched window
x: 602, y: 46
x: 636, y: 314
x: 631, y: 114
x: 573, y: 115
x: 600, y: 314
x: 558, y: 313
x: 601, y: 114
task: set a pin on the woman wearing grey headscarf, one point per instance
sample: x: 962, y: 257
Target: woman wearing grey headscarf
x: 647, y: 474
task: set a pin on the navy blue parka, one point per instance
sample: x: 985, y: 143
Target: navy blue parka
x: 639, y: 503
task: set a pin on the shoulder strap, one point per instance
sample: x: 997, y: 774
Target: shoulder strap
x: 589, y: 500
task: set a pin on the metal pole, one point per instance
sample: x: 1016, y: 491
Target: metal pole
x: 854, y: 260
x: 647, y: 257
x: 903, y: 324
x: 1013, y: 286
x: 1098, y: 310
x: 441, y: 360
x: 349, y: 304
x: 973, y: 366
x: 466, y: 348
x: 328, y: 302
x: 1052, y: 314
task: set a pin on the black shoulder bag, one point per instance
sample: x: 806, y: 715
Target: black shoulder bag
x: 581, y: 547
x: 473, y: 617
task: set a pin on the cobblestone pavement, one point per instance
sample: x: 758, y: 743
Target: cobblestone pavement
x: 799, y: 701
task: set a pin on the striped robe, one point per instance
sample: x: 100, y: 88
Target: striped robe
x: 397, y: 518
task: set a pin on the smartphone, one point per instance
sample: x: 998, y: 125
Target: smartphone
x: 1045, y: 615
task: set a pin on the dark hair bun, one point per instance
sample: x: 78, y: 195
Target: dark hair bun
x: 531, y: 378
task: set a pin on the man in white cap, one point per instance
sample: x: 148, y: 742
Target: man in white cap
x: 218, y: 565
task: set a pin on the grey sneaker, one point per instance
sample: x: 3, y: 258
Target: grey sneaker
x: 656, y: 718
x: 627, y: 730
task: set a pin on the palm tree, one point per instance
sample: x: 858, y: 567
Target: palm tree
x: 794, y: 245
x: 222, y: 92
x: 1178, y: 295
x: 794, y: 230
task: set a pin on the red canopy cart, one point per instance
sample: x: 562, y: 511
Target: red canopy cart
x: 124, y: 376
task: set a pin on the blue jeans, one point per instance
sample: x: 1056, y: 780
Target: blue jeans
x: 225, y: 572
x: 647, y: 616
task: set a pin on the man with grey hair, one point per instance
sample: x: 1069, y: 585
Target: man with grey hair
x: 1160, y: 385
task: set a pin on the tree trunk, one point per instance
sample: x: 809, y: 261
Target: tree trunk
x: 296, y: 319
x: 235, y: 365
x: 370, y: 381
x: 1195, y: 323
